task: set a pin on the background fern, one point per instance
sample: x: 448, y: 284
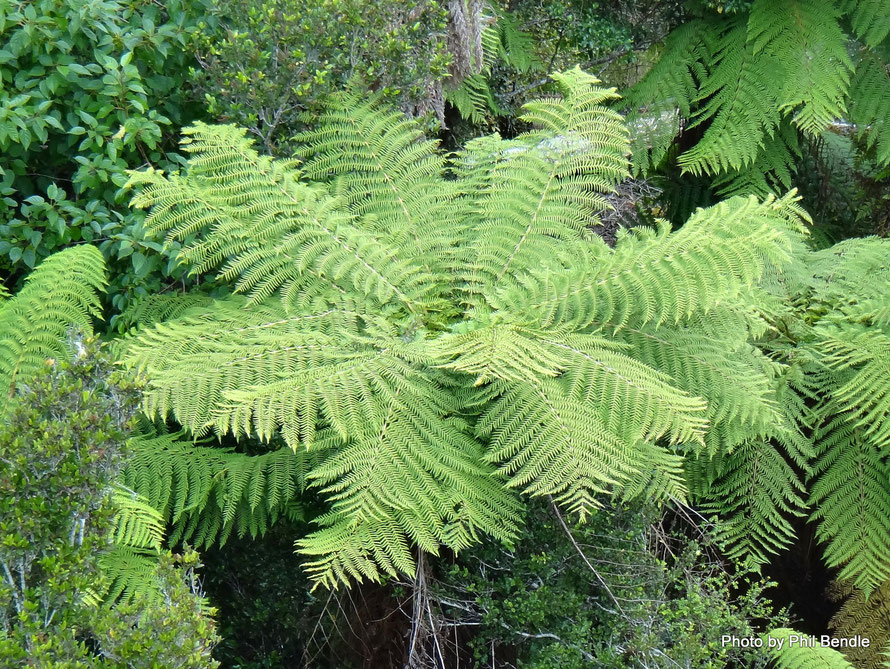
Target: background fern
x: 731, y: 96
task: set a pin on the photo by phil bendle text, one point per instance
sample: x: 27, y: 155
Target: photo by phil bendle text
x: 796, y: 640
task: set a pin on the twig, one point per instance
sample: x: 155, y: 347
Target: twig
x: 583, y: 556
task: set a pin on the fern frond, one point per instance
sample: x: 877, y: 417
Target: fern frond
x: 137, y: 523
x: 204, y: 493
x: 421, y: 476
x: 789, y: 653
x: 474, y: 99
x: 852, y: 501
x: 870, y: 103
x: 61, y: 293
x: 661, y: 277
x: 387, y: 173
x: 733, y: 377
x: 867, y: 617
x: 740, y: 103
x: 772, y: 170
x: 804, y: 38
x: 660, y: 476
x: 196, y: 363
x: 864, y: 397
x: 754, y: 493
x: 554, y: 444
x: 126, y: 573
x: 252, y: 217
x: 852, y: 276
x: 163, y: 307
x: 543, y: 192
x: 666, y: 93
x: 870, y: 19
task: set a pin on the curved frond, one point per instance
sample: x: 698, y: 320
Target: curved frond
x: 205, y: 493
x: 662, y: 277
x: 852, y: 502
x: 61, y: 293
x: 754, y: 492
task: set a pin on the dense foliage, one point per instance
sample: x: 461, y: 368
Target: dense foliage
x: 88, y: 90
x: 278, y: 61
x: 752, y: 86
x: 62, y: 445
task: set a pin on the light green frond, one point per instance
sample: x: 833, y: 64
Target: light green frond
x: 125, y: 572
x: 789, y: 653
x: 633, y: 399
x: 196, y: 363
x: 387, y: 173
x: 548, y: 183
x: 342, y: 551
x: 263, y: 228
x: 137, y: 523
x: 771, y: 172
x: 60, y: 294
x: 733, y: 377
x: 660, y: 478
x: 865, y: 396
x: 419, y: 475
x: 474, y: 99
x: 665, y: 94
x: 662, y: 277
x: 163, y: 307
x: 852, y: 276
x: 551, y: 443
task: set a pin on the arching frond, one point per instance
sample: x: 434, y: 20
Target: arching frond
x: 740, y: 102
x: 205, y: 493
x: 804, y: 39
x: 754, y: 492
x: 548, y: 183
x: 661, y: 277
x: 265, y: 229
x: 61, y: 293
x: 666, y: 92
x: 852, y: 502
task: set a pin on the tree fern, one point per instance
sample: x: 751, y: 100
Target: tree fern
x: 496, y: 344
x: 504, y: 44
x: 754, y: 492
